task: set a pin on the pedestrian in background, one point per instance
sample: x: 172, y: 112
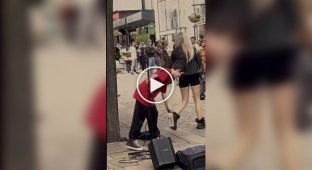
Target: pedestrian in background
x: 143, y: 57
x: 127, y: 58
x: 194, y: 43
x: 150, y: 53
x: 133, y: 57
x: 203, y: 73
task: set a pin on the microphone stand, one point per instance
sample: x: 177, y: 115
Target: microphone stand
x: 149, y: 97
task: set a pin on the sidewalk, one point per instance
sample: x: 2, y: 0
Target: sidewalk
x: 187, y: 135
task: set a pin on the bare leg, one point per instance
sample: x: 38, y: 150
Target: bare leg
x: 248, y: 129
x: 196, y: 97
x: 185, y: 99
x: 284, y: 108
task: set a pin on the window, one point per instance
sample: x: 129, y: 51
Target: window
x: 162, y: 15
x: 172, y: 14
x: 173, y: 19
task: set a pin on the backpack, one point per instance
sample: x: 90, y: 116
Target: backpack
x: 192, y: 158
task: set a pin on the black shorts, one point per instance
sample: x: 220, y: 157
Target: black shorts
x: 253, y: 69
x: 189, y: 80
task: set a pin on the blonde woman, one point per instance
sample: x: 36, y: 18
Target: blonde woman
x: 186, y: 54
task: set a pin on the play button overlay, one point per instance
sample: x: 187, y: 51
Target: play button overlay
x: 154, y: 84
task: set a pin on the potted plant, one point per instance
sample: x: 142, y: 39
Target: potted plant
x: 194, y: 18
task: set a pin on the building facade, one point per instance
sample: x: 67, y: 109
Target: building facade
x: 130, y: 18
x: 172, y: 16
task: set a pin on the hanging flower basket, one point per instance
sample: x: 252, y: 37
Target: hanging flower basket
x: 194, y: 18
x: 117, y: 33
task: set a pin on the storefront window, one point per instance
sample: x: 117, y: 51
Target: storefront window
x: 172, y: 14
x: 168, y: 14
x: 162, y: 15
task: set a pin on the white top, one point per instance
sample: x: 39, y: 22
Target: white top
x: 133, y: 52
x: 196, y: 47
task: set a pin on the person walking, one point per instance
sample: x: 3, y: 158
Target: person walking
x: 150, y: 53
x: 143, y: 57
x: 133, y: 57
x: 186, y: 54
x: 138, y: 60
x: 127, y: 58
x: 194, y: 43
x: 203, y: 73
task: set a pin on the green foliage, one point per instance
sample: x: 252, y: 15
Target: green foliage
x: 143, y: 36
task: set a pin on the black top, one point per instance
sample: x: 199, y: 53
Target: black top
x: 150, y: 51
x: 272, y: 27
x: 178, y: 57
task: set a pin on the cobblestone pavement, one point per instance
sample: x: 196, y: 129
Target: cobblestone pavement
x: 186, y: 135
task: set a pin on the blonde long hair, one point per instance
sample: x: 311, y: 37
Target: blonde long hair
x: 183, y: 41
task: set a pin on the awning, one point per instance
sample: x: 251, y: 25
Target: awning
x: 136, y: 20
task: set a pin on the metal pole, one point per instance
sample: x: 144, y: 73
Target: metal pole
x: 158, y: 19
x: 194, y: 23
x: 113, y: 129
x: 179, y: 15
x: 127, y: 35
x: 18, y: 138
x: 194, y: 30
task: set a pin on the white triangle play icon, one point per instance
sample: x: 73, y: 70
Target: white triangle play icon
x: 155, y: 85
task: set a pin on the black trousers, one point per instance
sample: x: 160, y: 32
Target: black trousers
x: 128, y: 65
x: 202, y: 84
x: 141, y: 113
x: 143, y: 62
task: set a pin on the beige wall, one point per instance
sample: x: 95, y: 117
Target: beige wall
x: 131, y: 4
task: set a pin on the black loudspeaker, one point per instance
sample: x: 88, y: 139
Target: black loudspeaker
x: 162, y: 153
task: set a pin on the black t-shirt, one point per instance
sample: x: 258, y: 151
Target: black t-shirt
x: 271, y: 28
x: 150, y: 51
x: 192, y: 67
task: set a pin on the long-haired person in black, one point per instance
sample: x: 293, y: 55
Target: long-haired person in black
x: 162, y: 57
x: 262, y: 63
x: 186, y: 54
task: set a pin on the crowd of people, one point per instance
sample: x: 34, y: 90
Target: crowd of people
x: 142, y: 55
